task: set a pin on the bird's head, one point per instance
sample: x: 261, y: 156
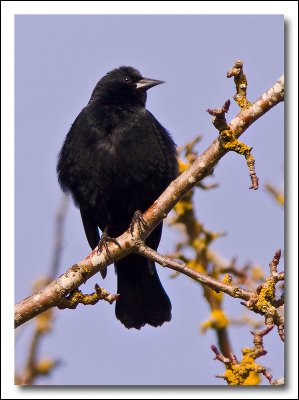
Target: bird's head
x: 123, y: 85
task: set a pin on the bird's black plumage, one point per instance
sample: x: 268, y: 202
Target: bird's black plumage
x: 117, y: 159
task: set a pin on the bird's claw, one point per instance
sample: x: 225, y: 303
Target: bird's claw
x: 139, y: 221
x: 103, y: 243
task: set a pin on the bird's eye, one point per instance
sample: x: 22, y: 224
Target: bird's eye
x: 127, y: 79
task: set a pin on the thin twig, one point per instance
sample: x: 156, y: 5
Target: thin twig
x: 214, y: 284
x: 58, y: 235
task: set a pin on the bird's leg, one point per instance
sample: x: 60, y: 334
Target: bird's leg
x: 139, y: 221
x: 103, y: 243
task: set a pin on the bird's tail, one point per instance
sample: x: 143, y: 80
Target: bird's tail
x: 143, y: 299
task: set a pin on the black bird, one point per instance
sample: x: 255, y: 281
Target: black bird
x: 117, y: 159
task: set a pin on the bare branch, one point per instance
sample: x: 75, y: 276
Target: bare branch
x: 219, y: 120
x: 58, y: 235
x: 220, y: 356
x: 278, y: 382
x: 214, y: 284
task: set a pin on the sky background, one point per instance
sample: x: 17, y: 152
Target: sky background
x: 58, y: 61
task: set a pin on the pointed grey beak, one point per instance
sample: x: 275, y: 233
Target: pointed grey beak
x: 146, y: 83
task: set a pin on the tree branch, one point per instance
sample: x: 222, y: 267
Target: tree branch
x: 34, y: 366
x: 214, y: 284
x: 247, y: 370
x: 53, y: 294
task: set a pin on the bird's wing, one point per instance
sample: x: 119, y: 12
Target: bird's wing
x: 91, y: 232
x: 166, y: 145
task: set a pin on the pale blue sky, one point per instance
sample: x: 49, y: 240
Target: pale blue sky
x: 58, y: 61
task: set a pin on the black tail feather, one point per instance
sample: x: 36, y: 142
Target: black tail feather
x: 143, y: 299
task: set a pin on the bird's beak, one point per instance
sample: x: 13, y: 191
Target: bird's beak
x: 146, y: 83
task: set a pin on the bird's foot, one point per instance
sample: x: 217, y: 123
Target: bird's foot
x: 103, y: 243
x: 138, y: 221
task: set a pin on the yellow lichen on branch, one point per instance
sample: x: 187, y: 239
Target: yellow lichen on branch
x: 45, y: 366
x: 218, y: 320
x: 77, y: 297
x: 247, y: 371
x: 230, y: 142
x: 264, y: 300
x: 277, y: 194
x: 241, y: 84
